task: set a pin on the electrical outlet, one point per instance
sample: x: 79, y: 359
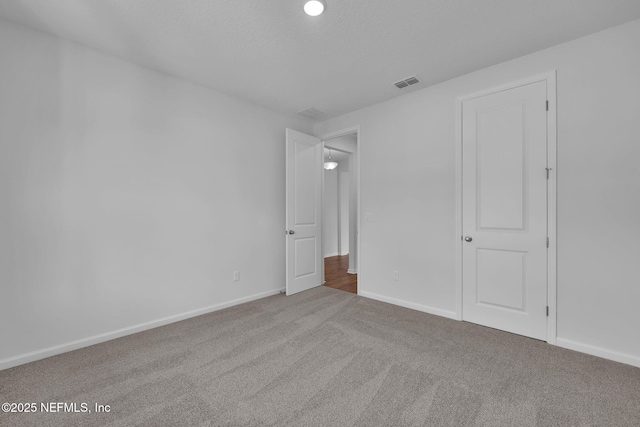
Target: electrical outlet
x: 368, y: 216
x: 396, y: 275
x: 236, y: 276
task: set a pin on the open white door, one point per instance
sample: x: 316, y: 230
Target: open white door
x: 304, y: 260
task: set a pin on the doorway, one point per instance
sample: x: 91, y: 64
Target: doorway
x: 304, y: 260
x: 339, y: 213
x: 506, y: 211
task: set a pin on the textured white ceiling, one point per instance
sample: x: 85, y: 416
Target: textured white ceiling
x: 271, y: 53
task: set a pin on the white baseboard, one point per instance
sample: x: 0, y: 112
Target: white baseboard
x: 32, y: 356
x: 343, y: 254
x: 352, y: 271
x: 599, y: 351
x: 331, y: 254
x: 560, y: 342
x: 411, y: 305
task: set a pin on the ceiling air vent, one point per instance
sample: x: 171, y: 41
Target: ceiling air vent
x: 407, y: 82
x: 311, y: 113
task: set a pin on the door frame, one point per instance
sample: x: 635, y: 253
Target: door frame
x: 336, y: 134
x: 550, y: 78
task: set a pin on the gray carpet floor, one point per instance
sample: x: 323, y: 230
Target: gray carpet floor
x: 326, y: 358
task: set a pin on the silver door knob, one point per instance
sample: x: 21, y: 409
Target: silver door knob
x: 292, y: 232
x: 468, y: 239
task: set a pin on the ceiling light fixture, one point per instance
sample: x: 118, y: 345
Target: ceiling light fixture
x: 314, y: 7
x: 330, y: 165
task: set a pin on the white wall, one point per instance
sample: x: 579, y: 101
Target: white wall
x: 335, y: 211
x: 330, y: 229
x: 126, y: 196
x: 407, y: 149
x: 343, y: 207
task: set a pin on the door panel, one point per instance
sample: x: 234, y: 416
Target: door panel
x: 501, y: 187
x: 305, y: 192
x: 501, y: 278
x: 504, y: 210
x: 304, y: 262
x: 305, y: 253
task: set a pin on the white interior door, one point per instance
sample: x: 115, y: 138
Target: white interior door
x: 504, y: 210
x: 304, y: 260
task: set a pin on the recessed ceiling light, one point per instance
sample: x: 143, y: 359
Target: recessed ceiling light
x: 314, y: 7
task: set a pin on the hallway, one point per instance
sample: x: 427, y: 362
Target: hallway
x: 336, y: 276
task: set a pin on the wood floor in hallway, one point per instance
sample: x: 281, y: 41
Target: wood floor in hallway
x: 336, y: 276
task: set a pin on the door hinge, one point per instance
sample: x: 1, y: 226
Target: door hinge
x: 548, y: 171
x: 547, y: 242
x: 547, y: 105
x: 547, y: 311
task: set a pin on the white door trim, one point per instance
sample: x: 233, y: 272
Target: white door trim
x: 337, y: 134
x: 550, y: 78
x: 322, y: 212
